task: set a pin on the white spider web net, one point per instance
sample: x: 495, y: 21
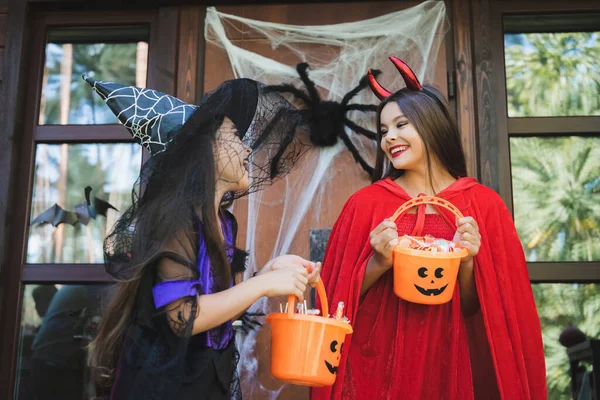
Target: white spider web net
x: 313, y: 194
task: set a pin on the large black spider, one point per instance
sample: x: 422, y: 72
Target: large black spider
x: 327, y: 119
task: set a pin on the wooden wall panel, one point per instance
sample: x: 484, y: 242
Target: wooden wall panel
x: 162, y: 68
x: 190, y: 26
x: 349, y: 177
x: 486, y: 98
x: 466, y: 111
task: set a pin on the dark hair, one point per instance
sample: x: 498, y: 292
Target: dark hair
x: 174, y: 184
x: 428, y: 112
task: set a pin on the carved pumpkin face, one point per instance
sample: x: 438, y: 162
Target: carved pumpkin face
x: 431, y: 281
x: 334, y: 349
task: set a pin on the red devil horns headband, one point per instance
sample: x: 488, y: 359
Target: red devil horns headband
x: 411, y: 80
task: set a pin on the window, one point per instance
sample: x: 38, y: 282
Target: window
x: 116, y: 55
x: 76, y: 157
x: 553, y: 109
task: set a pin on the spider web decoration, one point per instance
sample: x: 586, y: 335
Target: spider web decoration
x: 152, y: 117
x: 327, y: 119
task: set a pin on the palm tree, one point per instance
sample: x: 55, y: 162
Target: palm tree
x: 553, y: 74
x: 556, y: 186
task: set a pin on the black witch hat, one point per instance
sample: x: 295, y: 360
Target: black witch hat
x: 153, y: 118
x: 265, y: 121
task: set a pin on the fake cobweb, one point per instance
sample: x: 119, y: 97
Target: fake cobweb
x: 312, y: 196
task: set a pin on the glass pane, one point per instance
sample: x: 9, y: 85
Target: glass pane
x: 556, y: 196
x: 66, y: 98
x: 561, y: 304
x: 62, y: 172
x: 58, y: 323
x: 552, y: 74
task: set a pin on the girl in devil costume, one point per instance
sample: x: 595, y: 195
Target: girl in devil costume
x: 167, y: 332
x: 486, y: 342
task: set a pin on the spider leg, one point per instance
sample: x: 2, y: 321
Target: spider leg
x: 254, y: 314
x: 361, y: 107
x: 368, y: 169
x: 302, y: 69
x: 289, y: 89
x: 361, y: 85
x: 359, y: 129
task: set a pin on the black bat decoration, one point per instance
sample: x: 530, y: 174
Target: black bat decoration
x: 82, y: 212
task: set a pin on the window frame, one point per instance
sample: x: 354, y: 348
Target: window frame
x: 539, y: 272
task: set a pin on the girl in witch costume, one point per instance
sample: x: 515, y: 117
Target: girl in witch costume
x: 167, y: 331
x: 486, y: 342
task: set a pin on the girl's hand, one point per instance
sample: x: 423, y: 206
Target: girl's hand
x: 467, y: 235
x: 314, y: 275
x: 383, y: 240
x: 291, y: 260
x: 285, y: 281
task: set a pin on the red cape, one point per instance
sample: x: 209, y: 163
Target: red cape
x: 405, y: 350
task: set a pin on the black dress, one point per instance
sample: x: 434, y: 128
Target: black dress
x: 157, y: 364
x: 148, y: 370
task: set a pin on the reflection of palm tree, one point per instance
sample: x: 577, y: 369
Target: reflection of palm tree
x: 553, y: 74
x: 556, y: 197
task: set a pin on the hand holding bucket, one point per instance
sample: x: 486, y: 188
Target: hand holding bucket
x: 306, y: 349
x: 422, y: 276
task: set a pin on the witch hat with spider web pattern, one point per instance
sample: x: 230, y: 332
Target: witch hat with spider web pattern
x: 152, y: 117
x: 266, y: 122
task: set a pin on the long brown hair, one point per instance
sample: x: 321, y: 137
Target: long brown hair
x: 175, y: 183
x: 428, y: 112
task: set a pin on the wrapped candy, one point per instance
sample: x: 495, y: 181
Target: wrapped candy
x: 339, y: 313
x: 427, y: 243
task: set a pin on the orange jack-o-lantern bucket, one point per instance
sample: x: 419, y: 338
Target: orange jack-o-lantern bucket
x: 306, y: 349
x: 422, y: 276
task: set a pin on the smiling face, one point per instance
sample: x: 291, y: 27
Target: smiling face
x: 231, y: 158
x: 400, y: 141
x: 334, y: 349
x: 422, y: 122
x: 431, y: 281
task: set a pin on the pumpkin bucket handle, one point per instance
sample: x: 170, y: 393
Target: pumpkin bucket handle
x: 322, y: 296
x: 417, y: 201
